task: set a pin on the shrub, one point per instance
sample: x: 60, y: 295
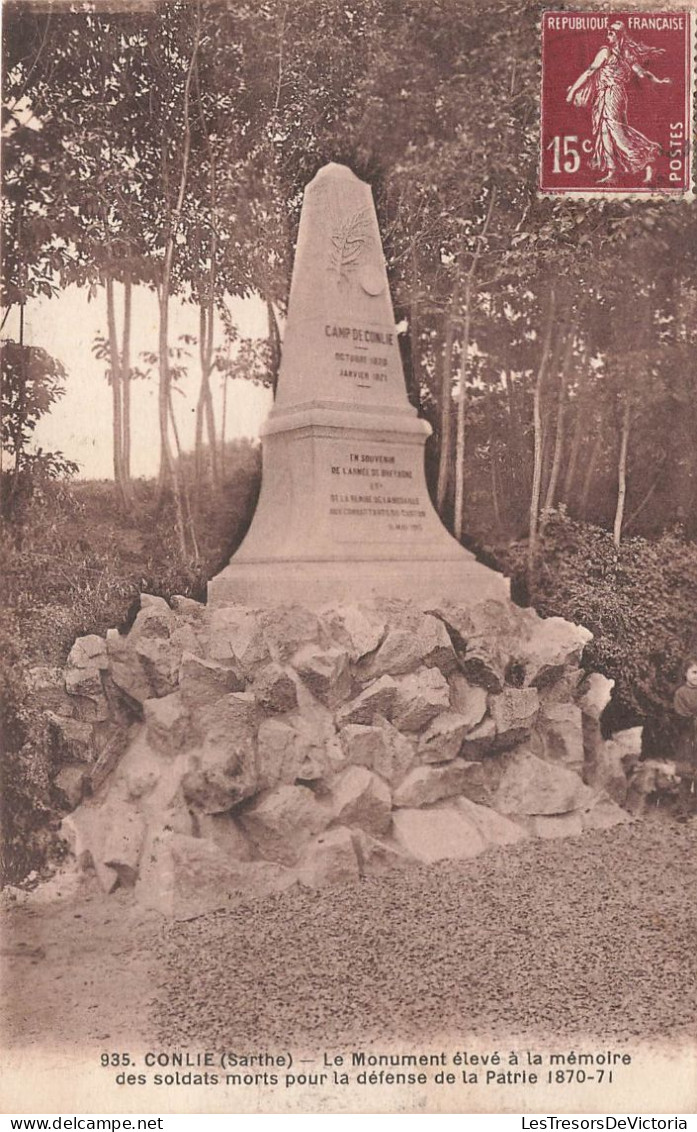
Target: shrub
x: 30, y: 759
x: 638, y: 601
x: 73, y: 563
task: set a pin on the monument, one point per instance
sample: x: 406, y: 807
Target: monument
x: 344, y: 512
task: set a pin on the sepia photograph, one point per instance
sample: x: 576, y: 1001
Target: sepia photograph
x: 348, y: 558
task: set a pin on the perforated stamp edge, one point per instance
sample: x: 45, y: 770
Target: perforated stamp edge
x: 687, y: 193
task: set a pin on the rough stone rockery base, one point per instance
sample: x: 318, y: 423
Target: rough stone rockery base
x: 224, y: 753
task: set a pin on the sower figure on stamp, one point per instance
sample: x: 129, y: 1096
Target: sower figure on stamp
x: 618, y: 147
x: 685, y: 705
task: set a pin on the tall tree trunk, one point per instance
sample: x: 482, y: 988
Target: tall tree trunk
x: 581, y: 412
x: 414, y: 390
x: 493, y: 458
x: 622, y: 474
x: 126, y: 387
x: 559, y: 432
x: 274, y: 344
x: 223, y: 423
x: 169, y: 472
x: 185, y: 520
x: 204, y: 409
x: 537, y: 426
x: 461, y: 407
x: 464, y: 368
x: 116, y: 398
x: 446, y: 406
x: 513, y: 453
x: 200, y: 404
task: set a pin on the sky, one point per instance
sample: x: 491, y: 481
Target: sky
x: 80, y: 424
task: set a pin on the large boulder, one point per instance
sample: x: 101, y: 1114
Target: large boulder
x: 425, y: 642
x: 109, y: 835
x: 380, y: 747
x: 202, y: 681
x: 551, y: 645
x: 357, y: 629
x: 185, y: 877
x: 155, y: 619
x: 514, y: 712
x: 274, y: 689
x: 467, y: 700
x: 188, y: 609
x: 88, y: 652
x: 530, y: 785
x: 281, y: 822
x: 47, y: 686
x: 236, y: 634
x: 484, y: 636
x: 220, y: 779
x: 437, y: 834
x: 422, y: 695
x: 72, y: 782
x: 160, y: 660
x: 359, y: 798
x: 480, y: 741
x: 154, y: 786
x: 629, y: 742
x: 225, y: 831
x: 330, y: 859
x: 594, y: 694
x: 127, y: 669
x: 561, y: 727
x: 88, y: 683
x: 326, y: 672
x: 321, y: 750
x: 281, y: 753
x: 287, y: 628
x: 377, y: 856
x: 379, y: 698
x: 228, y: 714
x: 605, y: 814
x: 168, y: 724
x: 427, y: 784
x: 149, y: 640
x: 442, y: 741
x: 605, y: 771
x: 494, y: 828
x: 223, y: 769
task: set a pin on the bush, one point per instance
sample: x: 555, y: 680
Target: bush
x: 30, y: 759
x: 72, y: 563
x: 639, y: 603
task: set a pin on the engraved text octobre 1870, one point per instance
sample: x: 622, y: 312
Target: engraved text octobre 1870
x: 357, y: 363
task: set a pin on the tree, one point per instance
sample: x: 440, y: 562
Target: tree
x: 31, y: 381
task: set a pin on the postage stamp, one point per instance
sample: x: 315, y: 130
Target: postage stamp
x: 616, y: 107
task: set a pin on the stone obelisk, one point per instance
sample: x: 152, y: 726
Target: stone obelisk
x: 344, y: 512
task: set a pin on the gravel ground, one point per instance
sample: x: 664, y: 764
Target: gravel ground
x: 592, y: 936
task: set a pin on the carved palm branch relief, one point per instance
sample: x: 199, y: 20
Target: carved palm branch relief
x: 348, y: 243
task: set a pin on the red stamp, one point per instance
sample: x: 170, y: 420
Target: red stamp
x: 616, y: 112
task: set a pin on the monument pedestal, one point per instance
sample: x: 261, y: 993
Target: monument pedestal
x: 344, y: 513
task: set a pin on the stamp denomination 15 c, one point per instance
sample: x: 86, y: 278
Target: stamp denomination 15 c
x: 616, y: 108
